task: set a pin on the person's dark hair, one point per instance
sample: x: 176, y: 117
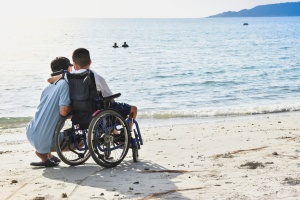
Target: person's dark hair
x: 81, y: 57
x: 60, y: 63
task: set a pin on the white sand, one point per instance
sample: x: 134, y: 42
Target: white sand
x: 193, y: 161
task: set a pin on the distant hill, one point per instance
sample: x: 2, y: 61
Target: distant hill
x: 270, y: 10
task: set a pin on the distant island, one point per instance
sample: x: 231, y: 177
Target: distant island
x: 270, y: 10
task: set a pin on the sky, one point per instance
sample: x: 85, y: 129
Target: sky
x: 125, y: 8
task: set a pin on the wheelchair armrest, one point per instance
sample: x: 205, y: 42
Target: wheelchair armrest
x: 112, y: 96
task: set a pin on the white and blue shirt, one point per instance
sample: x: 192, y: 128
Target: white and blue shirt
x: 40, y: 130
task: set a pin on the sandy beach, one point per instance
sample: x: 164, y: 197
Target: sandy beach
x: 252, y: 157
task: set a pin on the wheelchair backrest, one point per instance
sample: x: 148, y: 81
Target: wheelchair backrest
x: 84, y: 97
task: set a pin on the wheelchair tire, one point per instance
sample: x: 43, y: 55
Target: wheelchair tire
x: 108, y: 138
x: 135, y: 154
x: 66, y: 150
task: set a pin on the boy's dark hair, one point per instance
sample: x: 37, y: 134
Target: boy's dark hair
x: 60, y: 63
x: 81, y: 57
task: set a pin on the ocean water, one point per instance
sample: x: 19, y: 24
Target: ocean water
x: 173, y: 68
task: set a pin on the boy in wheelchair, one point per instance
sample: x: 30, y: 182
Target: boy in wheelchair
x: 82, y: 62
x: 96, y: 130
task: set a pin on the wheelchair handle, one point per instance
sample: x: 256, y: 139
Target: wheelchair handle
x: 59, y: 72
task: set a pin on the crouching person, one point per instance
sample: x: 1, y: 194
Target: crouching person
x: 54, y: 103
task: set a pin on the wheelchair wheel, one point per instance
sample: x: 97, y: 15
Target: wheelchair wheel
x: 135, y: 141
x: 108, y: 138
x: 71, y: 144
x: 135, y: 154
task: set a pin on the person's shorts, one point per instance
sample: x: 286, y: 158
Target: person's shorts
x: 122, y: 108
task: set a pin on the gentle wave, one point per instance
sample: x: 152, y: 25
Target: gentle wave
x: 225, y: 112
x: 13, y: 122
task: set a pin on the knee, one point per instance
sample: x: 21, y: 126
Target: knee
x: 134, y: 109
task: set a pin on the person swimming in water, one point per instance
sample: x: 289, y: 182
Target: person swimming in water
x: 125, y: 45
x: 115, y: 46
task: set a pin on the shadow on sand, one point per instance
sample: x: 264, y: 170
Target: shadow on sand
x: 141, y: 180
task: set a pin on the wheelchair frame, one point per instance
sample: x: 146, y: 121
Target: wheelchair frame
x: 107, y: 139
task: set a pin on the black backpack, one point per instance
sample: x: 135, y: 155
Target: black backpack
x: 84, y: 97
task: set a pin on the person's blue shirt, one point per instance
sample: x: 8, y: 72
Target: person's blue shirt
x: 40, y: 130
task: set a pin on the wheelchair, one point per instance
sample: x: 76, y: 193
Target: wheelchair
x: 103, y: 135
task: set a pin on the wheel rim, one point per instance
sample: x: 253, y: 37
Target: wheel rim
x: 109, y: 139
x: 72, y: 150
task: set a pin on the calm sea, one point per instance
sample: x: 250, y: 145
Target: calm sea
x: 173, y: 68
